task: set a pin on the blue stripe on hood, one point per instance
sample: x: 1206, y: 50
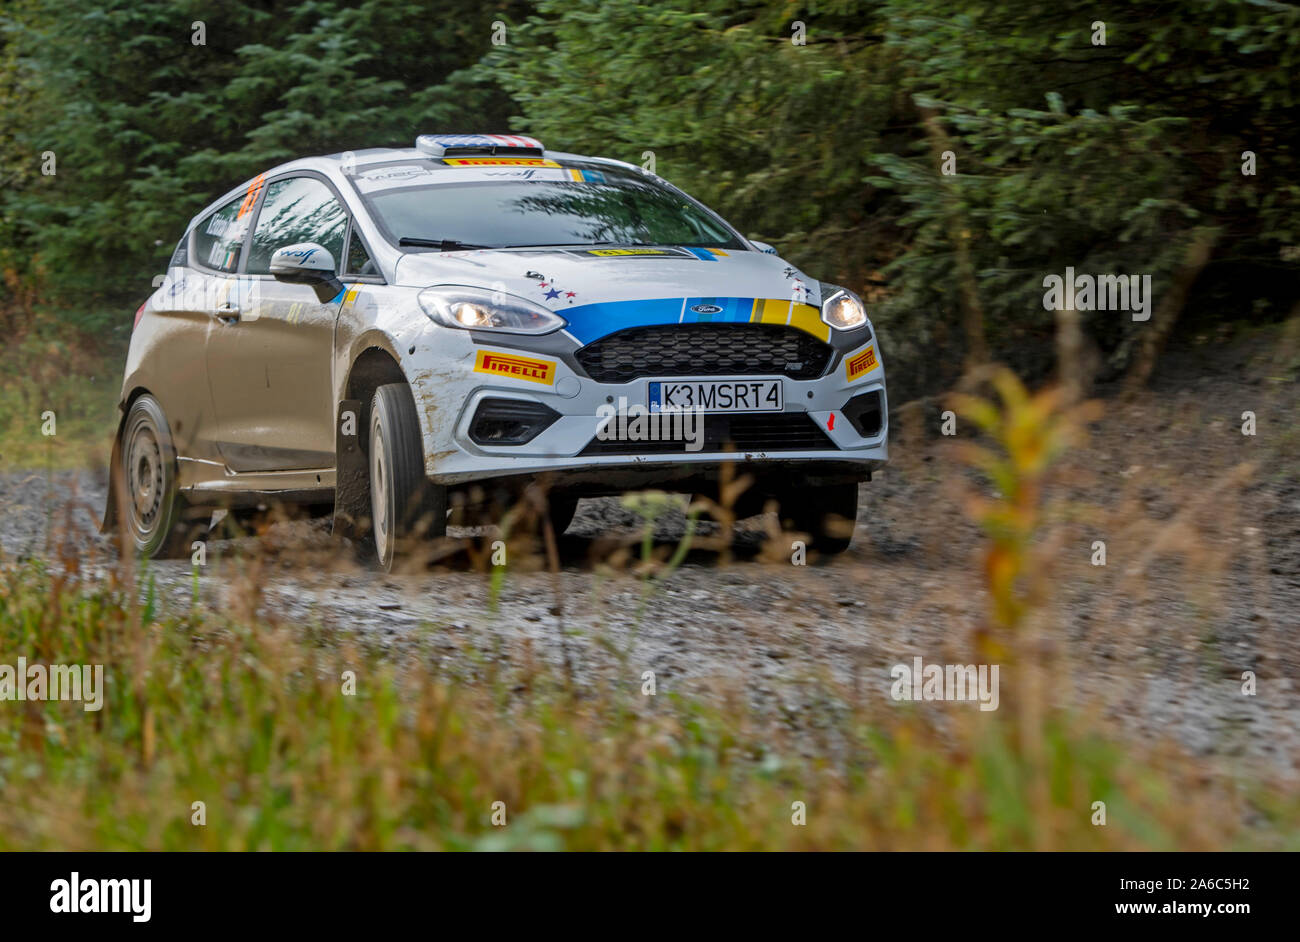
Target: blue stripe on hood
x: 589, y: 322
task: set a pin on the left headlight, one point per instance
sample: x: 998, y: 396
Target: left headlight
x: 481, y: 309
x: 844, y: 310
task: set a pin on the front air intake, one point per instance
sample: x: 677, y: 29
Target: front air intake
x: 863, y: 413
x: 510, y: 421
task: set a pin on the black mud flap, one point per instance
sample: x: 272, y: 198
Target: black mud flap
x: 352, y: 476
x: 109, y: 524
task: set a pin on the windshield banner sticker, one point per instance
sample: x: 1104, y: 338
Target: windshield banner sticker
x: 499, y: 162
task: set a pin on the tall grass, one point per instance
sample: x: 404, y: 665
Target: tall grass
x: 251, y: 717
x: 252, y: 721
x: 47, y: 368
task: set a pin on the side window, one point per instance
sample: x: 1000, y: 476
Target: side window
x: 219, y: 239
x: 358, y: 262
x: 300, y: 209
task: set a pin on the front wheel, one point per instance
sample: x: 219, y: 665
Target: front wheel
x: 562, y: 510
x: 404, y: 504
x: 827, y: 513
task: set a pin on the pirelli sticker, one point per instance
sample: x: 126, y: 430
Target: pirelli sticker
x: 516, y: 367
x: 859, y: 364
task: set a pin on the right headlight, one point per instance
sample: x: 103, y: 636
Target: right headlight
x: 480, y: 309
x: 844, y: 310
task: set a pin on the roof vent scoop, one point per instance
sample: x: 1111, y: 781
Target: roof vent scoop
x: 488, y: 145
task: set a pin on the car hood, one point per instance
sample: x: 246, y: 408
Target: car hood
x: 600, y: 290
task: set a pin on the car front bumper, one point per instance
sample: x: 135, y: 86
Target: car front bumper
x: 453, y: 374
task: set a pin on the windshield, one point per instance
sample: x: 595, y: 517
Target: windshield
x: 521, y: 213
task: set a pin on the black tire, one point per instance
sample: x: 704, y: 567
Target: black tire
x: 562, y: 510
x: 157, y: 521
x: 404, y: 504
x: 827, y: 514
x: 750, y: 503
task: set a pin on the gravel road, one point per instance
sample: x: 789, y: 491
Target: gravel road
x: 1202, y: 582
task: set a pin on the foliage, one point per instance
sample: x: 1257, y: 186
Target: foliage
x: 47, y: 370
x: 1106, y: 158
x: 727, y: 106
x: 251, y: 719
x: 1030, y: 432
x: 1111, y: 158
x: 147, y: 126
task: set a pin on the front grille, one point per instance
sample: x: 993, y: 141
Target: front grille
x: 759, y: 431
x: 705, y: 350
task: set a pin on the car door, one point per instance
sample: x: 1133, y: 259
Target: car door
x: 270, y: 357
x: 201, y: 276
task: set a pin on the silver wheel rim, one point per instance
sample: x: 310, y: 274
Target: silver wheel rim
x: 381, y: 521
x: 143, y: 472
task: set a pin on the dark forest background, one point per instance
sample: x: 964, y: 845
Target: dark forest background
x: 1125, y: 157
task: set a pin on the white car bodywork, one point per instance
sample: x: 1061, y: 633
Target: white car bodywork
x: 597, y: 291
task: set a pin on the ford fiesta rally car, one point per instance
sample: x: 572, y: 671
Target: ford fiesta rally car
x: 374, y: 331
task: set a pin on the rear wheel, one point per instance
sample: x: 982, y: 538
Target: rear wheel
x: 827, y: 513
x: 156, y: 516
x: 404, y: 504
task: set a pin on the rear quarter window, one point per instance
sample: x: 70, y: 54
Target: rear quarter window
x: 219, y: 238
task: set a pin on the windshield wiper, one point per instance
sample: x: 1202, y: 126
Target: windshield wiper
x: 445, y: 245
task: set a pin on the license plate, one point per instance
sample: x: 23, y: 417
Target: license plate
x: 725, y: 395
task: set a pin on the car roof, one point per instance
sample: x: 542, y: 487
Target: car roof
x: 331, y: 166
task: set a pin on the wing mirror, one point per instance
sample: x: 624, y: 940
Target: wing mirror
x: 307, y: 263
x: 762, y: 247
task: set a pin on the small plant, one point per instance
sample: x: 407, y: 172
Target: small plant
x: 1029, y: 432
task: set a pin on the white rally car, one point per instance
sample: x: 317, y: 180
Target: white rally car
x: 374, y: 331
